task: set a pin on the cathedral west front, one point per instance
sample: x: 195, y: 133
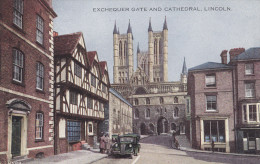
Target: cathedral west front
x: 158, y: 104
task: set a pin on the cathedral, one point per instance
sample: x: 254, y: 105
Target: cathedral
x: 158, y: 104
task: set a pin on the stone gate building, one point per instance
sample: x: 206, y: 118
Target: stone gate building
x: 158, y: 105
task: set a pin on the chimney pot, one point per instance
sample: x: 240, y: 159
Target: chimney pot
x: 235, y: 52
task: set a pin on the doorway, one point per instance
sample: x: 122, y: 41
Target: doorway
x: 16, y: 136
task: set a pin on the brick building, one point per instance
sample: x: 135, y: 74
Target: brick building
x: 81, y: 87
x: 211, y: 98
x: 26, y: 79
x: 246, y: 72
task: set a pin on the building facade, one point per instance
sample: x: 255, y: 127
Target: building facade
x: 26, y: 79
x: 158, y: 105
x: 212, y: 113
x: 81, y: 87
x: 118, y: 118
x: 247, y: 98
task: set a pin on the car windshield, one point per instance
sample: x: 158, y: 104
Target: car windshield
x: 126, y: 139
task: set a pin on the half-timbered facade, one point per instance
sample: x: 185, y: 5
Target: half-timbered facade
x: 81, y: 91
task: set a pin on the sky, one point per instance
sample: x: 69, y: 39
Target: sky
x: 198, y: 34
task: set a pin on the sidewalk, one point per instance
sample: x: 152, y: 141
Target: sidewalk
x: 74, y: 157
x: 185, y: 146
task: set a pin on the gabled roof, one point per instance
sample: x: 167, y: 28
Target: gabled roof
x: 91, y: 56
x: 249, y: 54
x: 102, y: 65
x: 65, y: 44
x: 210, y: 66
x: 114, y: 92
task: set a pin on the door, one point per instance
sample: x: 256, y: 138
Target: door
x: 16, y: 136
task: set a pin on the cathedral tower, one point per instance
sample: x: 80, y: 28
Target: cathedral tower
x: 123, y: 55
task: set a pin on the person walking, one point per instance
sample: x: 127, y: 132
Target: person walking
x: 107, y: 144
x: 102, y: 144
x: 212, y: 145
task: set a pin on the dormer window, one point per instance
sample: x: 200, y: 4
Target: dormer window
x: 210, y: 80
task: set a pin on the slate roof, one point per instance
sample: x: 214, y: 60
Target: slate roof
x: 114, y: 92
x: 65, y: 44
x: 249, y: 54
x: 210, y: 66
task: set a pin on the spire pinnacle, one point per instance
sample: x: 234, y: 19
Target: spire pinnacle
x: 115, y: 31
x: 165, y: 24
x: 184, y: 68
x: 129, y: 30
x: 150, y: 25
x: 138, y: 49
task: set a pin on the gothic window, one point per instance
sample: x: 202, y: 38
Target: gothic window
x: 176, y: 112
x: 147, y: 113
x: 120, y: 52
x: 155, y: 52
x: 39, y: 75
x: 125, y: 52
x: 176, y: 100
x: 136, y: 113
x: 161, y: 100
x: 147, y: 101
x: 18, y: 13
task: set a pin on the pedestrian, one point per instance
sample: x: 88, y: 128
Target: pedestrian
x: 107, y: 143
x: 212, y: 145
x: 102, y: 144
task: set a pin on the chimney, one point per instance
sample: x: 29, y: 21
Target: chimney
x: 235, y: 51
x: 55, y: 33
x: 224, y: 57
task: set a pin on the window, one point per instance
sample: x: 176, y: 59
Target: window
x: 104, y: 88
x: 39, y: 76
x: 93, y: 80
x: 18, y: 13
x: 147, y: 101
x: 214, y: 130
x: 173, y: 126
x: 252, y: 112
x: 188, y: 105
x: 17, y: 65
x: 39, y: 126
x: 245, y: 113
x: 77, y: 70
x: 73, y: 98
x: 73, y: 128
x: 249, y: 89
x: 161, y: 100
x: 136, y: 114
x: 90, y: 128
x: 136, y: 102
x: 147, y: 113
x: 176, y: 112
x: 211, y: 103
x: 39, y: 30
x: 249, y: 69
x: 210, y: 80
x: 176, y: 100
x: 90, y: 103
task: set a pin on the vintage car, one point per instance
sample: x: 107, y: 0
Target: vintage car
x: 127, y: 144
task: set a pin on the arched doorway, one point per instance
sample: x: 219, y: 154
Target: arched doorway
x: 162, y: 125
x: 143, y: 129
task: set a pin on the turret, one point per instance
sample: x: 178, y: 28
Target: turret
x: 150, y: 51
x: 165, y: 51
x: 184, y: 72
x: 116, y: 53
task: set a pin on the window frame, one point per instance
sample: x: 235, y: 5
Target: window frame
x: 136, y: 116
x: 147, y: 113
x: 90, y: 124
x: 208, y: 84
x: 73, y: 98
x: 208, y: 140
x: 90, y: 103
x: 252, y: 90
x: 247, y: 68
x: 176, y: 112
x: 147, y: 100
x: 93, y: 80
x: 39, y: 29
x: 18, y: 13
x: 71, y: 130
x: 211, y: 109
x: 19, y: 65
x: 246, y: 113
x: 77, y: 70
x: 40, y: 75
x: 161, y: 100
x: 41, y: 127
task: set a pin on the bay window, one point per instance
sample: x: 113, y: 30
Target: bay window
x: 251, y: 112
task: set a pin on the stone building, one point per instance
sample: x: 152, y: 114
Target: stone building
x: 81, y: 87
x: 212, y: 113
x: 158, y: 105
x: 246, y: 71
x: 26, y: 79
x: 118, y: 117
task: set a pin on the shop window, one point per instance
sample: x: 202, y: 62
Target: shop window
x: 214, y: 130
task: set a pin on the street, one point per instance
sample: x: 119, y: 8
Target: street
x: 157, y: 150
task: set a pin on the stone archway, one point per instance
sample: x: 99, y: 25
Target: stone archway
x: 162, y: 125
x: 143, y: 129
